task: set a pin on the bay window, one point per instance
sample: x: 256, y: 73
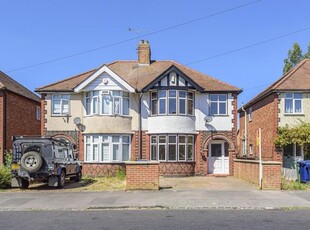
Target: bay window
x: 172, y: 147
x: 107, y: 148
x: 60, y: 104
x: 172, y: 102
x: 107, y: 103
x: 293, y: 103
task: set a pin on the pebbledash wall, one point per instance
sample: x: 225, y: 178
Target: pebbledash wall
x: 264, y: 116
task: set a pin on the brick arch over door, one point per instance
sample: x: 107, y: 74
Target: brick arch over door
x: 231, y: 149
x: 65, y: 136
x: 219, y: 137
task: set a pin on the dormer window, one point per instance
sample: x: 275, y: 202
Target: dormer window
x: 172, y: 102
x: 107, y: 102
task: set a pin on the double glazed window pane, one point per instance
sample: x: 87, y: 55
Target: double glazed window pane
x: 125, y: 106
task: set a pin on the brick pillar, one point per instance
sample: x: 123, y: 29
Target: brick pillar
x: 142, y: 175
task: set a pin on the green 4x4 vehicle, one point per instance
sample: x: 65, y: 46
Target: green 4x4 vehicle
x: 43, y: 159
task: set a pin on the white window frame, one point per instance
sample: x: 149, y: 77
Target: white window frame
x: 109, y: 141
x: 111, y: 107
x: 250, y: 113
x: 154, y: 98
x: 218, y: 102
x: 38, y: 113
x: 61, y: 100
x: 166, y: 145
x: 293, y: 98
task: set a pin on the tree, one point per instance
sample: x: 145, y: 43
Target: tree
x: 294, y: 57
x: 307, y: 54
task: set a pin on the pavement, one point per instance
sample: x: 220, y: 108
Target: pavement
x: 161, y: 199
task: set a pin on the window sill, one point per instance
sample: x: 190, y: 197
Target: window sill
x: 294, y: 114
x: 171, y: 115
x: 61, y: 115
x: 107, y: 115
x: 161, y: 161
x: 104, y: 162
x: 219, y: 115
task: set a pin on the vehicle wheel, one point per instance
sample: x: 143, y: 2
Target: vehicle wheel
x: 78, y: 176
x: 31, y: 161
x: 61, y: 179
x: 24, y: 184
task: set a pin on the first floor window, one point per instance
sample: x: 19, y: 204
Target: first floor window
x: 38, y: 113
x: 218, y: 104
x: 107, y: 102
x: 60, y: 104
x: 107, y: 148
x: 293, y: 103
x: 172, y: 147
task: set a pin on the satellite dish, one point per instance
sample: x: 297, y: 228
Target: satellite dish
x: 208, y: 119
x: 77, y: 120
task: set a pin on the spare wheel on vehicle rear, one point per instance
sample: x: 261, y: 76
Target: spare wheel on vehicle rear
x: 31, y: 161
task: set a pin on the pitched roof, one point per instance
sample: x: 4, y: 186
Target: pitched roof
x: 297, y: 79
x: 139, y: 76
x: 10, y: 84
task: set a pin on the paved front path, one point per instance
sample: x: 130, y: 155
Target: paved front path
x: 205, y: 183
x: 170, y: 199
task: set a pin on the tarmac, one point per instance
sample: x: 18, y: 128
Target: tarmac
x: 161, y: 199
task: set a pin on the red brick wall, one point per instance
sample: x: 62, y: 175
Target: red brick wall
x: 249, y: 170
x: 264, y: 116
x: 94, y: 169
x: 176, y: 168
x: 21, y: 117
x: 201, y: 149
x: 142, y: 176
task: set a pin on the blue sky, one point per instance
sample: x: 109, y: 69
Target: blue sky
x: 36, y: 31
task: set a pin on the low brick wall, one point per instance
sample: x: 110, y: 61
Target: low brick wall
x: 177, y: 168
x: 102, y: 169
x: 249, y: 170
x: 142, y: 175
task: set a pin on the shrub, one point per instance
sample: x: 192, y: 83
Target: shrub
x: 120, y: 174
x: 5, y: 171
x: 293, y: 185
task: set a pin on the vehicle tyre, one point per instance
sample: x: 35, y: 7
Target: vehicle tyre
x: 31, y: 161
x: 78, y: 176
x: 24, y: 184
x: 61, y: 179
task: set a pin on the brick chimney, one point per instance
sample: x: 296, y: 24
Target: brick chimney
x: 144, y: 53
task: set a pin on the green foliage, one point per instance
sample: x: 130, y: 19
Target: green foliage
x: 293, y: 185
x: 294, y: 57
x: 120, y: 174
x: 5, y: 171
x: 299, y: 135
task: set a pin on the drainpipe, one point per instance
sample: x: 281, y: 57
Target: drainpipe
x: 245, y: 131
x: 140, y: 127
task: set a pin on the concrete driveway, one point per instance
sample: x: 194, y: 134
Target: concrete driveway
x: 205, y: 183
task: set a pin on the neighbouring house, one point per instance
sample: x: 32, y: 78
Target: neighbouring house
x: 145, y: 110
x: 19, y: 112
x: 285, y: 102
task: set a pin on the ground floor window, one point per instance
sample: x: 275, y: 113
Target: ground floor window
x: 172, y: 147
x: 107, y: 148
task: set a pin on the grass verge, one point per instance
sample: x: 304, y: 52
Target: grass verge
x: 293, y: 185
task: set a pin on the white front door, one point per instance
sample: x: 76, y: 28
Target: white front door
x: 218, y: 158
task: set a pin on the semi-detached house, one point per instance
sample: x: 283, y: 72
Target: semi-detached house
x: 285, y: 102
x: 145, y: 110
